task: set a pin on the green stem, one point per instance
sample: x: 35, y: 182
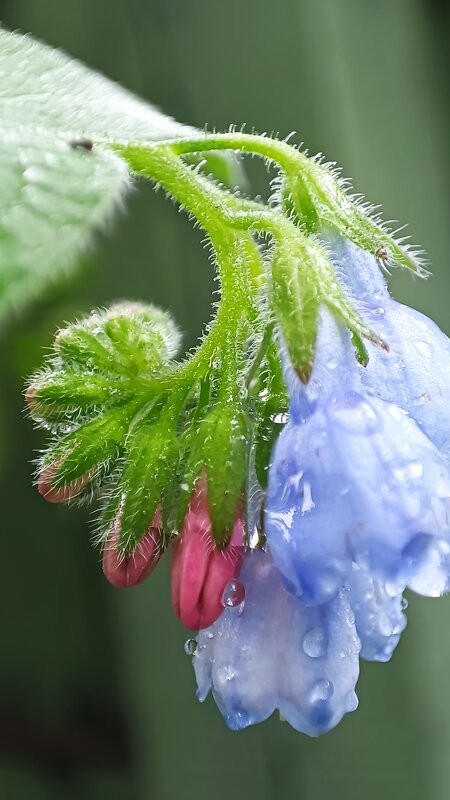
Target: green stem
x: 281, y: 153
x: 238, y: 259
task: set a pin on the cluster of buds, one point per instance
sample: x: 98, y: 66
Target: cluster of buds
x: 117, y: 436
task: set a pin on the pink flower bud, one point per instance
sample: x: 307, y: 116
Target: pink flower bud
x: 200, y: 570
x: 60, y: 494
x: 133, y: 568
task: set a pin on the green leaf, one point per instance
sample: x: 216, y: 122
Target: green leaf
x: 56, y: 190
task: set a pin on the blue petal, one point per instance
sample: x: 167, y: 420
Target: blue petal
x: 276, y: 653
x: 415, y: 373
x: 356, y: 480
x: 379, y: 616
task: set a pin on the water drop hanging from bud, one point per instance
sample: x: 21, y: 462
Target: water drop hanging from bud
x: 233, y: 595
x: 190, y: 647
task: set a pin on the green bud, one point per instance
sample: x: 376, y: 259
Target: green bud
x: 142, y: 335
x: 129, y: 338
x: 85, y: 454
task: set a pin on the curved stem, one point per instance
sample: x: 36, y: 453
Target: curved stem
x: 281, y: 153
x: 238, y: 259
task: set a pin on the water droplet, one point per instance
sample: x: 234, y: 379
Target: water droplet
x: 314, y: 643
x: 279, y: 419
x: 190, y: 647
x: 321, y: 691
x: 233, y: 595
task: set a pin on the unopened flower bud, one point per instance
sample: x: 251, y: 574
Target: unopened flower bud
x: 53, y: 493
x: 200, y: 569
x: 130, y: 569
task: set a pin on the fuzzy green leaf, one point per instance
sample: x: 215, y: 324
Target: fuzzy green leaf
x: 57, y: 189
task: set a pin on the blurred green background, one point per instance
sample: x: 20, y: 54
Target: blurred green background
x: 96, y: 695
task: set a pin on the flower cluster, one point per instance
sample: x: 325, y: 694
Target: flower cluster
x: 295, y: 465
x: 357, y: 510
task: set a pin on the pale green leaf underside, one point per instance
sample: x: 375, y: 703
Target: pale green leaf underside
x: 53, y: 197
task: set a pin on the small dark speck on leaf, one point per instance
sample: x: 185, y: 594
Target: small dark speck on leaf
x: 82, y: 144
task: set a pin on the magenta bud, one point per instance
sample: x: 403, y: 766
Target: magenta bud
x: 60, y: 494
x: 200, y: 570
x: 133, y: 568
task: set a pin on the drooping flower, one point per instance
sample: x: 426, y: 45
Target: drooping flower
x: 415, y: 372
x: 355, y: 480
x: 200, y: 569
x: 357, y: 510
x: 274, y: 652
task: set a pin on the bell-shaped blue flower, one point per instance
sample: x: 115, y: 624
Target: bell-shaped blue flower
x: 273, y: 652
x: 415, y: 372
x: 353, y: 479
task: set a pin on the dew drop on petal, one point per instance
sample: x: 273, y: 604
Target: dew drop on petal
x: 321, y: 691
x: 234, y: 594
x: 314, y: 643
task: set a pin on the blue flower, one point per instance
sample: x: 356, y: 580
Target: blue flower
x: 273, y: 652
x: 357, y: 510
x: 415, y: 372
x: 354, y: 479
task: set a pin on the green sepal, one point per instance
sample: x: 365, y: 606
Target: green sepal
x: 55, y: 395
x: 303, y: 280
x: 190, y: 463
x: 179, y: 488
x: 319, y: 189
x: 224, y: 436
x: 298, y: 203
x: 149, y: 459
x: 91, y: 449
x: 296, y: 301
